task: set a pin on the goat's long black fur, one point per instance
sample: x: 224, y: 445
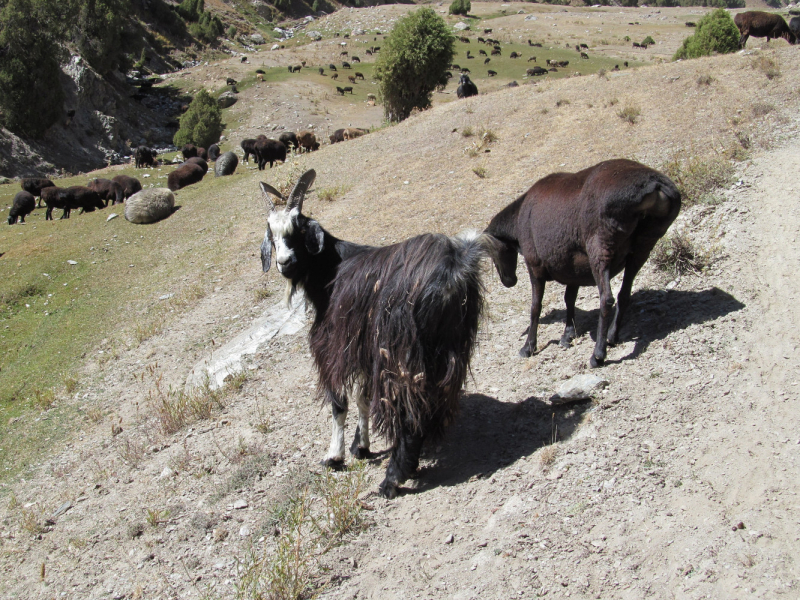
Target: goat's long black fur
x: 400, y: 321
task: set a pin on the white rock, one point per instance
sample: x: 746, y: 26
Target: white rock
x: 581, y: 387
x: 111, y: 216
x: 239, y: 504
x: 167, y: 472
x: 449, y: 539
x: 244, y: 531
x: 257, y: 38
x: 275, y: 47
x: 461, y: 26
x: 72, y: 262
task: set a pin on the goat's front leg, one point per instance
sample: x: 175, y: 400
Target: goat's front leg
x: 537, y: 285
x: 335, y: 457
x: 570, y: 295
x: 360, y: 446
x: 603, y: 278
x: 402, y: 464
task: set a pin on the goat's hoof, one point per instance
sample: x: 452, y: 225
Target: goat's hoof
x: 565, y: 342
x: 595, y: 362
x: 525, y: 352
x: 335, y: 464
x: 362, y: 453
x: 388, y: 489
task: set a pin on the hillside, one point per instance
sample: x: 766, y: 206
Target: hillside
x: 636, y: 494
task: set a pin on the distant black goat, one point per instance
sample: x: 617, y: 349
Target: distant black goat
x: 213, y: 152
x: 144, y: 157
x: 35, y: 185
x: 394, y: 327
x: 108, y: 190
x: 249, y: 147
x: 269, y: 151
x: 582, y: 229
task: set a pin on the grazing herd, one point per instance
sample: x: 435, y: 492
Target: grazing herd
x: 394, y: 327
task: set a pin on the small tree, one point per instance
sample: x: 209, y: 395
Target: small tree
x: 715, y: 32
x: 201, y: 124
x: 413, y: 62
x: 460, y: 7
x: 648, y: 41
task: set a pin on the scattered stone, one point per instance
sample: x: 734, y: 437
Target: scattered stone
x: 219, y: 534
x: 257, y: 38
x: 167, y: 472
x: 240, y: 504
x: 135, y: 530
x: 62, y: 509
x: 580, y: 387
x: 275, y: 47
x: 244, y: 531
x: 449, y: 539
x: 227, y: 99
x: 72, y: 262
x: 111, y: 216
x: 461, y: 26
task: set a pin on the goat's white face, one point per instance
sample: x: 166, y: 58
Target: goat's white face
x: 282, y: 226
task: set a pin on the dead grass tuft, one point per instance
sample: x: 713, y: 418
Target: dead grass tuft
x: 705, y: 80
x: 332, y: 193
x: 131, y: 450
x: 761, y: 109
x: 44, y: 399
x: 767, y: 65
x: 562, y: 102
x: 629, y: 114
x: 547, y: 455
x: 677, y: 255
x: 698, y: 177
x: 480, y: 171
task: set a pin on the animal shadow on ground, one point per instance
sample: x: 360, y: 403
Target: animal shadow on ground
x: 653, y: 315
x: 489, y: 435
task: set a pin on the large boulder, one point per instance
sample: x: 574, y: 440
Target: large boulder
x: 150, y: 205
x: 227, y: 99
x: 257, y: 38
x: 226, y: 164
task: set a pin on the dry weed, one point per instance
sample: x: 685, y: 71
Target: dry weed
x: 480, y: 171
x: 761, y: 109
x: 705, y: 80
x: 131, y: 451
x: 547, y: 455
x: 697, y: 177
x: 562, y: 102
x: 677, y: 255
x: 629, y: 114
x: 70, y: 384
x: 262, y: 294
x: 332, y: 193
x: 767, y: 65
x: 44, y: 399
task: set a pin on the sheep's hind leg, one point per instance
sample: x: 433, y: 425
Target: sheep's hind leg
x: 537, y: 285
x: 360, y: 446
x: 570, y: 295
x: 603, y: 278
x: 335, y: 457
x: 402, y: 464
x: 632, y: 266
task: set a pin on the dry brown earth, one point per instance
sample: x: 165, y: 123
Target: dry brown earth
x: 641, y: 492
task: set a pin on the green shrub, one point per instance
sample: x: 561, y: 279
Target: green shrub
x: 98, y: 32
x: 201, y: 124
x: 231, y: 33
x: 715, y: 32
x: 191, y: 10
x: 413, y: 62
x: 31, y: 98
x: 460, y: 7
x: 648, y: 41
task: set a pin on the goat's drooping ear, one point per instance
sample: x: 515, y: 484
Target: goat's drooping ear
x: 315, y: 237
x: 299, y: 191
x: 266, y: 250
x: 267, y: 189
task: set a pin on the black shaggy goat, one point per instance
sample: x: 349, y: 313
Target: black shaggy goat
x: 249, y: 147
x: 145, y: 157
x: 24, y: 203
x: 213, y: 152
x: 186, y: 174
x: 68, y: 199
x: 269, y: 151
x: 394, y: 327
x: 582, y: 229
x: 108, y: 190
x: 466, y: 88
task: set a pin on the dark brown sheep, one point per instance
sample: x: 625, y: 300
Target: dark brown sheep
x: 196, y: 160
x: 184, y: 175
x: 307, y: 140
x: 189, y: 151
x: 130, y: 185
x: 762, y: 24
x: 35, y: 185
x: 582, y: 229
x: 24, y: 203
x: 145, y: 157
x: 108, y: 190
x: 269, y: 151
x: 68, y: 199
x: 337, y: 136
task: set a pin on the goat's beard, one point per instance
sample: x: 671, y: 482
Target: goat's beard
x: 292, y: 288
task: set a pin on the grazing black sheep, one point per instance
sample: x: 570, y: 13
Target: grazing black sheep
x: 186, y: 174
x: 68, y: 199
x: 332, y: 67
x: 249, y: 147
x: 213, y: 152
x: 347, y: 88
x: 226, y: 164
x: 492, y: 73
x: 145, y: 157
x: 269, y: 151
x: 393, y: 329
x: 466, y: 88
x: 24, y: 204
x: 35, y: 185
x: 130, y: 185
x: 196, y: 160
x: 289, y: 139
x: 762, y: 24
x: 337, y: 136
x: 230, y: 81
x: 108, y: 190
x: 189, y: 151
x: 536, y: 71
x: 582, y: 229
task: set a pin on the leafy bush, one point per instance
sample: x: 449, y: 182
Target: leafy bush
x: 31, y: 98
x: 715, y: 32
x: 413, y: 62
x: 201, y: 124
x: 231, y: 33
x: 460, y: 7
x: 648, y: 41
x: 191, y: 10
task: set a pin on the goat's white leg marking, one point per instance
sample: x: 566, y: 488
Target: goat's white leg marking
x: 363, y: 416
x: 336, y: 450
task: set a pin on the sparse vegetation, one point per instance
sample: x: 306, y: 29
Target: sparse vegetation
x: 677, y: 255
x: 705, y: 80
x: 715, y: 32
x: 629, y: 114
x: 413, y: 62
x: 768, y: 65
x: 331, y: 193
x: 761, y: 109
x: 562, y: 102
x: 201, y: 124
x: 460, y: 7
x: 698, y: 177
x: 480, y: 171
x: 467, y: 131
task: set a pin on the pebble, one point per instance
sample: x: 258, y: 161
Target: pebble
x: 111, y: 216
x: 580, y: 387
x: 449, y: 539
x: 62, y: 509
x: 167, y: 472
x: 240, y: 504
x: 72, y: 262
x: 244, y: 531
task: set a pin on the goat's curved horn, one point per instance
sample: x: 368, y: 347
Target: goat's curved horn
x: 267, y: 189
x: 300, y: 189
